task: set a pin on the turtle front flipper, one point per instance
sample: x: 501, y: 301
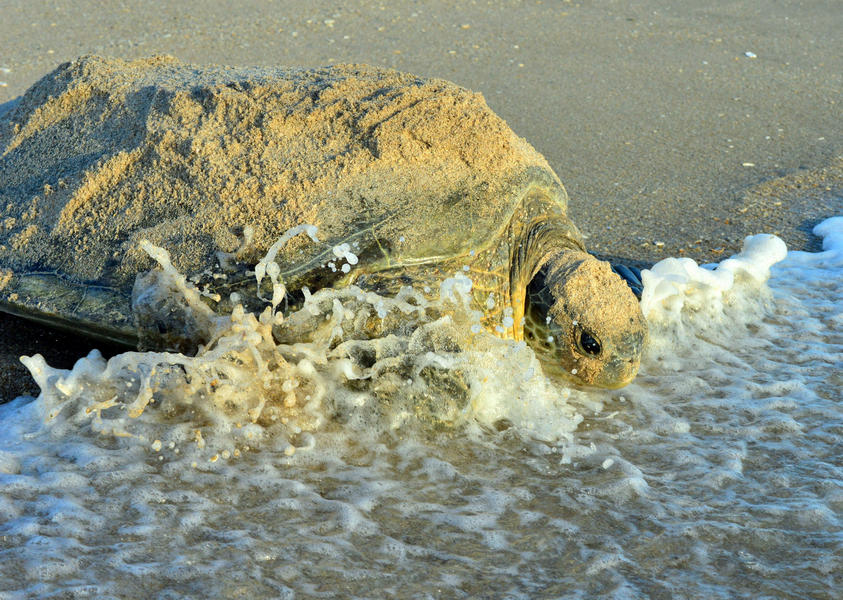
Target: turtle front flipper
x: 632, y: 277
x: 96, y: 311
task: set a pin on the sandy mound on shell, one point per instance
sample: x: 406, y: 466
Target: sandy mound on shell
x: 103, y: 153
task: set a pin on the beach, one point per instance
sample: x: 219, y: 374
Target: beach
x: 676, y: 129
x: 395, y: 441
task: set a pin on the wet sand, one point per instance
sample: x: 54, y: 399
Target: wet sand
x: 677, y: 129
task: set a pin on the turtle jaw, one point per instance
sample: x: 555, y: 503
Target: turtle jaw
x: 618, y: 373
x: 609, y: 377
x: 590, y: 372
x: 622, y: 368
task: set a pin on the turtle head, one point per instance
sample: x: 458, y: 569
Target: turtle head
x: 584, y: 322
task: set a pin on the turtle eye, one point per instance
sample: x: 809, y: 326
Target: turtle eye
x: 589, y: 344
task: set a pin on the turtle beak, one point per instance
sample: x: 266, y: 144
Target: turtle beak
x: 623, y: 367
x: 617, y: 376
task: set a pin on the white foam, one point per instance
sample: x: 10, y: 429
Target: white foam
x: 831, y: 232
x: 268, y: 266
x: 674, y: 284
x: 344, y: 251
x: 455, y: 288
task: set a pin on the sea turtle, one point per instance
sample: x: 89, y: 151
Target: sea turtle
x: 411, y: 179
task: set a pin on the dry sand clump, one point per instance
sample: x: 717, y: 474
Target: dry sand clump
x: 102, y: 153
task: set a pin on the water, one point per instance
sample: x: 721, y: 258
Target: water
x: 436, y: 462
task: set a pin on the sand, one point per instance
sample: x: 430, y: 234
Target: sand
x: 677, y: 129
